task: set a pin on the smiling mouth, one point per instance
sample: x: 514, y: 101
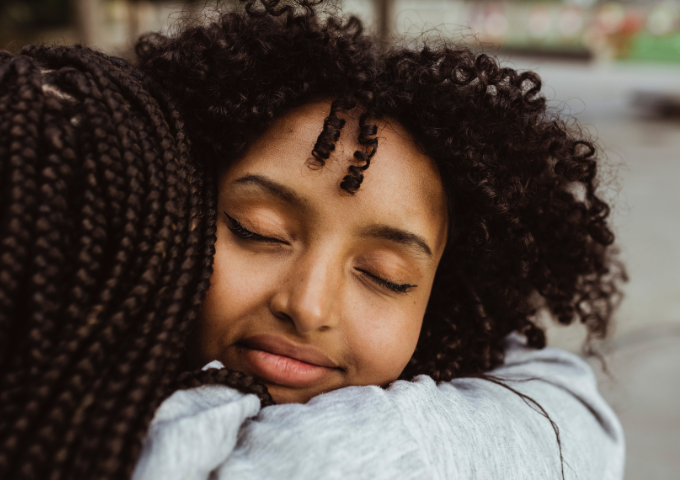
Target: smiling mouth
x: 277, y: 361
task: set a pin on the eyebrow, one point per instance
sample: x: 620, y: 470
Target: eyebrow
x: 274, y: 189
x: 398, y: 235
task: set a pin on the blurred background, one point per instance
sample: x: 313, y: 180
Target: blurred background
x: 614, y: 65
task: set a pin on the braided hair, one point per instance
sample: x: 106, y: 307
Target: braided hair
x: 107, y: 240
x: 108, y: 212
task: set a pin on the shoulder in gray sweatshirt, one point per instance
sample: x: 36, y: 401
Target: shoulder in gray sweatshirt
x: 468, y: 428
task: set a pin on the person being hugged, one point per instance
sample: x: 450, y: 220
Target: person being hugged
x: 270, y: 208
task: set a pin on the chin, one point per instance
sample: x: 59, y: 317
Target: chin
x: 283, y: 395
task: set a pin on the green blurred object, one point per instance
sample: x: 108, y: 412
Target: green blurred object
x: 654, y: 48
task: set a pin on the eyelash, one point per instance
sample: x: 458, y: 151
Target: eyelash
x: 395, y: 287
x: 242, y: 232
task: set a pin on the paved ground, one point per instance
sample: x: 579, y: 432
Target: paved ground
x: 644, y: 386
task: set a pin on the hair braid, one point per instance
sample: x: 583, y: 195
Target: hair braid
x: 53, y: 230
x: 224, y: 376
x: 20, y: 90
x: 48, y: 285
x: 103, y: 345
x: 128, y: 361
x: 124, y: 265
x: 96, y: 127
x: 23, y: 103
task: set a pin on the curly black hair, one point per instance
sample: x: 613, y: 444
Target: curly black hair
x: 528, y: 231
x: 108, y: 212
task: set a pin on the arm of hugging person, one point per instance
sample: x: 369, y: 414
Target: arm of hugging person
x: 193, y: 432
x: 470, y: 428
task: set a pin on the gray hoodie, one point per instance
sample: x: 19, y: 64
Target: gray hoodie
x: 464, y: 429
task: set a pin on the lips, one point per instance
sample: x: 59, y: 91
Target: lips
x: 278, y: 361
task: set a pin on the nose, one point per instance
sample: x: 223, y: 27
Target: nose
x: 309, y: 295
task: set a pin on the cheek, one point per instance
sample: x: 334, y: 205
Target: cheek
x: 235, y: 282
x: 239, y: 289
x: 382, y: 340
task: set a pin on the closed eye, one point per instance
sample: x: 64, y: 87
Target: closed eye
x: 242, y: 232
x: 395, y: 287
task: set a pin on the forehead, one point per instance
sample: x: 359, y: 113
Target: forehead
x: 401, y: 185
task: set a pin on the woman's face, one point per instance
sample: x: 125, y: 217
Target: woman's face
x: 314, y: 289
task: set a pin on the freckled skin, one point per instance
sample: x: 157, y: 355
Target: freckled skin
x: 309, y: 286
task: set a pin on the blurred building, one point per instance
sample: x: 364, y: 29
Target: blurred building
x: 631, y: 30
x: 639, y: 30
